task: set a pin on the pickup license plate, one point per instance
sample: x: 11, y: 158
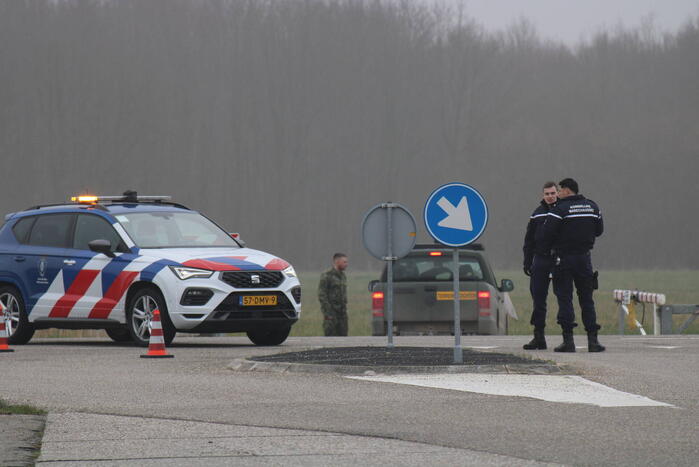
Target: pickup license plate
x: 258, y: 300
x: 467, y: 295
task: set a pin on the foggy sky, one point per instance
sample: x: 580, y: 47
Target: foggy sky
x: 287, y: 120
x: 573, y: 20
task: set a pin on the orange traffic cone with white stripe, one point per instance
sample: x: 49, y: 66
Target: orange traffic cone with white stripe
x: 4, y: 325
x: 156, y: 343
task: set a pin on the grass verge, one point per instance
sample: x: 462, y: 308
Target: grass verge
x: 680, y: 286
x: 8, y: 409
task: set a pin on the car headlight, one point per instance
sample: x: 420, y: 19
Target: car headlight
x: 290, y: 271
x: 188, y: 273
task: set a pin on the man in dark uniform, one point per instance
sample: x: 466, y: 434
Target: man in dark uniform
x: 539, y: 265
x: 332, y: 294
x: 569, y: 232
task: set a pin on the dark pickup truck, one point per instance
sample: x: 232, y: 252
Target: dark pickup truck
x: 424, y: 293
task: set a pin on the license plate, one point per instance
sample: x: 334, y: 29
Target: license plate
x: 450, y: 295
x: 258, y: 300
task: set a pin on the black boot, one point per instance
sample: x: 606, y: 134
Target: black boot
x: 593, y: 344
x: 538, y: 343
x: 568, y: 344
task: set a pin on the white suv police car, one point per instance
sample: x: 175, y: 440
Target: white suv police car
x: 109, y: 262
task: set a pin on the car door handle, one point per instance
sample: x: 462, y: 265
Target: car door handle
x: 69, y: 262
x: 19, y: 259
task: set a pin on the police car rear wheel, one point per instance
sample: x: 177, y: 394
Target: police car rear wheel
x: 269, y: 336
x: 20, y: 330
x: 121, y: 334
x: 139, y: 314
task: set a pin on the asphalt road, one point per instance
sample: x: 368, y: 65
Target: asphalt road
x: 95, y: 376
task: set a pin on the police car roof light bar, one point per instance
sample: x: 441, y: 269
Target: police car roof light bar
x: 93, y: 201
x: 129, y: 196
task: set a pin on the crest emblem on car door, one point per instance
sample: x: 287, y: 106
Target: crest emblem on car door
x: 41, y: 269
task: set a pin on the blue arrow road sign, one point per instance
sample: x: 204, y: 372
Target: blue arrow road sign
x: 455, y: 214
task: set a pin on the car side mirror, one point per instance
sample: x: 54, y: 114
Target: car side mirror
x: 102, y: 246
x: 372, y: 284
x: 236, y: 237
x: 507, y: 285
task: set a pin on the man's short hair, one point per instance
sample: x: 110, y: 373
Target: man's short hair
x: 339, y: 255
x: 549, y: 185
x: 569, y: 183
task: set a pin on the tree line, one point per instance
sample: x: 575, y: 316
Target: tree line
x: 288, y: 120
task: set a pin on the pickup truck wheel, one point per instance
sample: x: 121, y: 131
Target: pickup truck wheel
x: 18, y: 327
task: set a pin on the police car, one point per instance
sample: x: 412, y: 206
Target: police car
x: 109, y: 262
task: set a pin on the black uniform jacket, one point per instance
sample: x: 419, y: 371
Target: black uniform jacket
x: 534, y: 229
x: 571, y: 226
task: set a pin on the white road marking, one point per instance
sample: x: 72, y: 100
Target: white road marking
x: 481, y: 347
x: 670, y: 347
x: 565, y: 389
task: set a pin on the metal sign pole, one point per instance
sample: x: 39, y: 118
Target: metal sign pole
x: 458, y: 353
x: 388, y: 233
x: 389, y: 258
x: 389, y: 304
x: 466, y: 218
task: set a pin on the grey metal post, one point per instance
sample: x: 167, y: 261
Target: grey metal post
x: 458, y: 353
x: 622, y: 318
x: 390, y: 258
x: 666, y: 319
x: 656, y: 320
x: 623, y: 311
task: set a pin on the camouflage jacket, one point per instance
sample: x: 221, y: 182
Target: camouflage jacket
x: 332, y: 291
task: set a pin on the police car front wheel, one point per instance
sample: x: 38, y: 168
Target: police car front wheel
x: 269, y: 336
x: 18, y: 327
x: 140, y: 312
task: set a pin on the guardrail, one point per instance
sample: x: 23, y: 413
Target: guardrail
x: 662, y: 313
x: 627, y: 301
x: 666, y: 312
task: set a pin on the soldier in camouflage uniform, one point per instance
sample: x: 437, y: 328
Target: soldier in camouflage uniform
x: 332, y: 294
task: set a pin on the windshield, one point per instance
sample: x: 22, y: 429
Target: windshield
x: 174, y: 230
x: 435, y: 269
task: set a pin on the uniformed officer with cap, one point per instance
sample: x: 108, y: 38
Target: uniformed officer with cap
x: 538, y: 265
x: 569, y: 233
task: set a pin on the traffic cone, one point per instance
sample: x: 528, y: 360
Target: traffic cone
x: 3, y: 331
x: 156, y: 343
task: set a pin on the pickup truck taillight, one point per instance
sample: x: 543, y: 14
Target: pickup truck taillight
x: 484, y: 302
x: 377, y: 304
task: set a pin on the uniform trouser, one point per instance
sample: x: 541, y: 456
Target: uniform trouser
x: 575, y: 270
x: 335, y: 323
x: 539, y: 281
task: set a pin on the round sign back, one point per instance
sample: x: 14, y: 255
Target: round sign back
x: 377, y: 239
